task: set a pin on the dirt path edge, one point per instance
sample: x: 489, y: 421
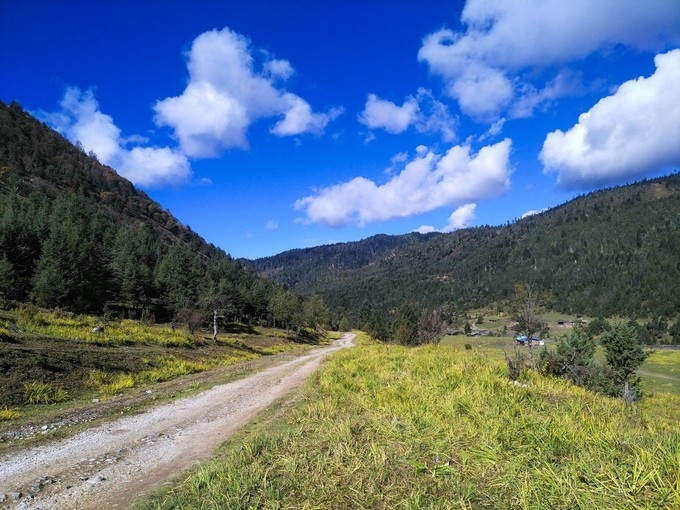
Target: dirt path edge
x: 111, y: 465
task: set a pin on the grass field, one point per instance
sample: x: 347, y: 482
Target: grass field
x: 659, y: 373
x: 382, y: 426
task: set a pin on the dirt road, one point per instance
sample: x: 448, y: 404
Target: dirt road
x: 111, y: 465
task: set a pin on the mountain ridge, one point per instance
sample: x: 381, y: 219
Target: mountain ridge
x: 627, y: 233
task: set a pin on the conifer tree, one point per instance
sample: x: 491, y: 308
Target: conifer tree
x: 624, y: 355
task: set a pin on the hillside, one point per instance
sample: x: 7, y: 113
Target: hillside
x: 615, y: 251
x: 302, y: 267
x: 76, y: 235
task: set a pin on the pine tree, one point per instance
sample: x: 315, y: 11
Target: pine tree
x: 624, y: 355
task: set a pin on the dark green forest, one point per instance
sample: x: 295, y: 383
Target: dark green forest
x: 75, y: 235
x: 610, y: 252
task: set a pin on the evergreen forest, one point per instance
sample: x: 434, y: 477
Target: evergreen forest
x: 614, y: 252
x: 74, y: 235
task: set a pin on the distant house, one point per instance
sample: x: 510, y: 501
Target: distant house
x: 522, y: 339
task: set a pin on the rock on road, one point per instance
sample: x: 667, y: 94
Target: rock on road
x: 111, y: 465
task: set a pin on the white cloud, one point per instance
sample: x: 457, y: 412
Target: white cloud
x: 153, y: 166
x: 425, y: 229
x: 226, y: 94
x: 400, y: 157
x: 427, y: 182
x: 461, y: 217
x: 533, y: 212
x: 299, y: 118
x: 529, y: 98
x: 422, y: 111
x: 278, y: 69
x: 631, y: 133
x: 494, y: 130
x: 205, y: 120
x: 80, y: 120
x: 272, y: 225
x: 482, y: 66
x: 380, y: 113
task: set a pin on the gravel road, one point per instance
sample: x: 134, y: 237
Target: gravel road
x: 112, y: 465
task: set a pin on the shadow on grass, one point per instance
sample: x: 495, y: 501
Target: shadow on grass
x: 9, y: 339
x: 236, y: 328
x: 307, y: 337
x: 238, y: 346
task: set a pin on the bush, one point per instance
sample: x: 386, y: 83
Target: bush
x: 573, y: 360
x: 598, y: 326
x: 7, y: 414
x: 36, y: 392
x: 515, y: 365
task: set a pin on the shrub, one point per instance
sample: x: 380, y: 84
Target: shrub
x: 36, y: 392
x: 572, y: 358
x: 7, y: 414
x: 109, y: 383
x: 515, y: 365
x: 598, y: 326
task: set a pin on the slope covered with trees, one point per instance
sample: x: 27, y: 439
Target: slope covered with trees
x: 615, y: 251
x: 302, y: 267
x: 76, y: 235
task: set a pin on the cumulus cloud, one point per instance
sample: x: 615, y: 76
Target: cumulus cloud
x: 425, y: 229
x: 226, y: 93
x: 427, y: 182
x: 482, y: 66
x: 299, y: 118
x: 81, y: 121
x: 153, y: 166
x: 631, y: 133
x: 380, y: 113
x: 421, y: 111
x: 461, y: 217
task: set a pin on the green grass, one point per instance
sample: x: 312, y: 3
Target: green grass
x: 163, y: 368
x: 70, y: 326
x: 659, y: 373
x: 37, y: 392
x: 7, y: 414
x: 382, y: 426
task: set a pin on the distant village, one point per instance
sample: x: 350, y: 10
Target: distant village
x: 475, y: 331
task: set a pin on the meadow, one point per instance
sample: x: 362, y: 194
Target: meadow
x: 383, y: 426
x: 660, y: 372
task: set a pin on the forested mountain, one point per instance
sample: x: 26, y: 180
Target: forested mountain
x: 615, y: 251
x: 302, y: 267
x: 76, y: 235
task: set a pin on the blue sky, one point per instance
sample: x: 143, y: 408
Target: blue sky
x: 269, y: 125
